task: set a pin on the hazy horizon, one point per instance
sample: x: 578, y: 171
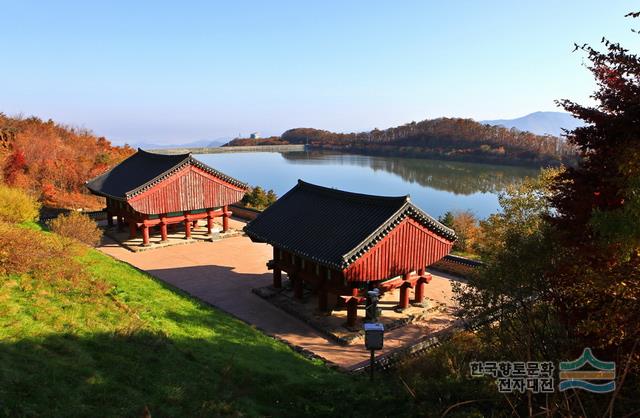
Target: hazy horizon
x: 165, y: 73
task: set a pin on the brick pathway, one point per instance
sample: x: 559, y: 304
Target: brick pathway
x: 223, y: 273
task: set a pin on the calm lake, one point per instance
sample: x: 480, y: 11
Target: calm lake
x: 434, y: 186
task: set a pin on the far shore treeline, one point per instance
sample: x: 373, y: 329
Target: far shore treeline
x: 442, y: 138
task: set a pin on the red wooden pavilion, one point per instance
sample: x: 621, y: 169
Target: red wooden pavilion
x: 341, y: 243
x: 148, y: 190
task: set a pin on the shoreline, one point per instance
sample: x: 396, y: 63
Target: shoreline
x: 220, y: 150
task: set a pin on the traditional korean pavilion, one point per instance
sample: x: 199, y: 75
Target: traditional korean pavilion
x: 341, y: 244
x: 155, y: 190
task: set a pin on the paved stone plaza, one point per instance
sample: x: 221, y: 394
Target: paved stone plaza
x: 224, y: 273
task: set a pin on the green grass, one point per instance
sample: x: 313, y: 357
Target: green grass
x: 465, y: 254
x: 135, y: 342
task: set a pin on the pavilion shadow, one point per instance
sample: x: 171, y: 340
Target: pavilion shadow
x: 224, y: 288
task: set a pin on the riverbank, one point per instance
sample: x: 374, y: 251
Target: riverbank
x: 422, y: 153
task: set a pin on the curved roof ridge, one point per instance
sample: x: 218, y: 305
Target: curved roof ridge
x: 150, y: 154
x: 370, y: 198
x: 143, y: 169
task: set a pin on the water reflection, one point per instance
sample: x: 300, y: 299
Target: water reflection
x: 435, y: 186
x: 455, y: 177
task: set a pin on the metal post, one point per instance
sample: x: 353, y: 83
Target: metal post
x: 372, y: 361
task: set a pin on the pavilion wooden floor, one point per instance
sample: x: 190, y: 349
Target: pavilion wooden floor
x: 223, y: 273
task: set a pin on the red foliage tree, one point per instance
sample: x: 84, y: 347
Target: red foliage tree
x: 596, y: 275
x: 54, y: 160
x: 16, y: 163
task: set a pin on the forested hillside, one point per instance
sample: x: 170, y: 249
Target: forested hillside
x: 451, y: 138
x: 241, y: 142
x: 442, y: 138
x: 53, y: 161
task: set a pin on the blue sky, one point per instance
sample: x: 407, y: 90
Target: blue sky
x: 183, y: 71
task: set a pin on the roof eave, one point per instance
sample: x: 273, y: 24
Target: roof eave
x: 257, y: 238
x: 103, y: 194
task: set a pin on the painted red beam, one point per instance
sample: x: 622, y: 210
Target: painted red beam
x: 190, y: 217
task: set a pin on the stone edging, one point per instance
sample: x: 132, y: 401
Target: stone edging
x: 139, y: 248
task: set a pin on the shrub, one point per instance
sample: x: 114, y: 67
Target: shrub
x: 17, y: 206
x: 468, y: 231
x: 440, y: 382
x: 257, y: 198
x: 38, y: 259
x: 77, y: 226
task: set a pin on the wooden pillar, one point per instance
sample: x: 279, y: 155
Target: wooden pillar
x: 419, y: 292
x: 163, y: 231
x: 209, y: 222
x: 145, y: 235
x: 404, y: 292
x: 109, y: 218
x: 133, y: 229
x: 404, y: 296
x: 225, y: 218
x: 352, y: 312
x: 354, y: 290
x: 187, y: 229
x: 120, y: 223
x: 277, y: 277
x: 297, y: 286
x: 323, y: 299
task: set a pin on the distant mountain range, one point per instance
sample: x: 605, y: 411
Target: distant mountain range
x: 540, y: 123
x: 203, y: 143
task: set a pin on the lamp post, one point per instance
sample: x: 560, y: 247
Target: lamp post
x: 373, y: 330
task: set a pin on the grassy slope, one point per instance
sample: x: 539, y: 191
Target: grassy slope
x: 140, y: 343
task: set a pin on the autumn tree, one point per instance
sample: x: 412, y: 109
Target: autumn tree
x: 258, y: 198
x: 467, y: 230
x: 14, y: 166
x: 597, y: 212
x: 562, y: 259
x: 53, y: 161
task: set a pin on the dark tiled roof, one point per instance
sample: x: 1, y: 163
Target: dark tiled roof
x: 334, y: 227
x: 143, y: 170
